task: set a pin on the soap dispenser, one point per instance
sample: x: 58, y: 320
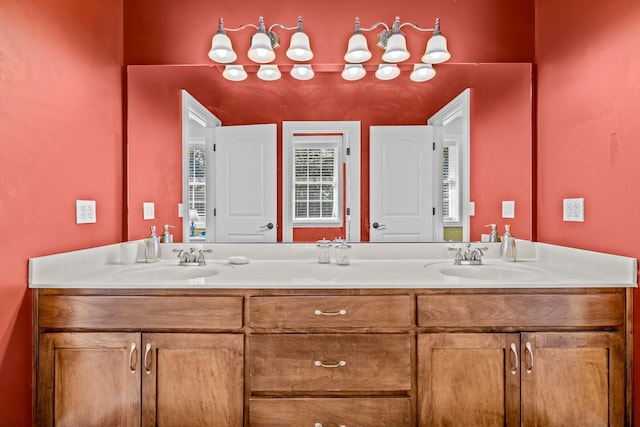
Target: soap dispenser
x: 166, y: 236
x: 493, y: 237
x: 152, y: 246
x: 508, y: 250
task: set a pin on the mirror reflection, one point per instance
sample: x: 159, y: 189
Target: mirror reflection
x: 499, y: 160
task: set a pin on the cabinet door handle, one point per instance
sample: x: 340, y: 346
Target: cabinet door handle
x: 530, y: 351
x: 330, y: 365
x: 147, y: 359
x: 132, y: 360
x: 330, y: 313
x: 514, y: 369
x: 320, y: 425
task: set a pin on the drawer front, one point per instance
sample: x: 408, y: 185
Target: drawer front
x: 350, y: 412
x: 139, y: 312
x: 331, y: 363
x: 330, y: 311
x: 518, y: 310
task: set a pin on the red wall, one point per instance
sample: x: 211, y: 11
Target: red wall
x: 61, y: 135
x: 588, y: 67
x: 501, y: 142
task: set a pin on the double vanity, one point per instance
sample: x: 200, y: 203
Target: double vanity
x: 264, y: 335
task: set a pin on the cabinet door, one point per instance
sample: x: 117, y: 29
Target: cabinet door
x: 468, y: 379
x: 573, y: 379
x: 89, y: 379
x: 192, y: 379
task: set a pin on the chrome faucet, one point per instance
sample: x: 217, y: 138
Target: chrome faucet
x: 191, y: 257
x: 469, y: 256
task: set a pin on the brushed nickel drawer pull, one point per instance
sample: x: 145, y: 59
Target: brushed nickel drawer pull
x: 132, y: 361
x: 514, y: 369
x: 530, y: 367
x: 330, y: 313
x: 329, y: 365
x: 147, y: 362
x: 320, y: 425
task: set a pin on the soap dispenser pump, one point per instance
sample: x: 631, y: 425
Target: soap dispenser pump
x: 508, y: 250
x: 166, y: 236
x: 152, y: 246
x: 493, y: 237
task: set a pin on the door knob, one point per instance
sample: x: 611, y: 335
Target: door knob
x: 268, y: 226
x: 376, y: 225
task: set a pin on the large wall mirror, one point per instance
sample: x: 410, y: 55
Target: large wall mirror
x: 500, y: 151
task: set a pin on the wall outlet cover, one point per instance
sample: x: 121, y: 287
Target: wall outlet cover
x: 148, y: 209
x: 85, y: 211
x: 472, y: 208
x: 573, y: 210
x: 508, y: 209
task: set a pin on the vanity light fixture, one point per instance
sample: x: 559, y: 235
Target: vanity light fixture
x: 394, y: 43
x: 263, y: 43
x: 353, y: 72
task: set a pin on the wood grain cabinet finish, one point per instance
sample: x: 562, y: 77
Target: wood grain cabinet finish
x: 111, y: 379
x: 529, y: 379
x: 296, y: 312
x: 330, y: 412
x: 330, y: 363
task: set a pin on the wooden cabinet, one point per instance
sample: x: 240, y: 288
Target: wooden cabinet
x: 134, y: 377
x: 540, y: 378
x: 89, y: 379
x: 374, y: 358
x: 317, y: 378
x: 112, y: 378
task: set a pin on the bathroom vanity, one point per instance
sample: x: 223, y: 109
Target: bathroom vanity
x: 401, y: 337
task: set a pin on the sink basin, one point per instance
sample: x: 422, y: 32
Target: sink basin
x: 517, y: 273
x: 164, y: 273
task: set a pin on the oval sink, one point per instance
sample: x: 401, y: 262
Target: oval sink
x: 165, y: 273
x: 495, y: 272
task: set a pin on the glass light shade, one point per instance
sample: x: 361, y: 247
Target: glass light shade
x: 353, y: 72
x: 357, y: 50
x: 436, y: 51
x: 261, y: 50
x: 396, y: 50
x: 387, y: 71
x: 422, y: 72
x: 269, y: 73
x: 302, y: 72
x: 235, y: 73
x: 221, y: 50
x: 299, y: 48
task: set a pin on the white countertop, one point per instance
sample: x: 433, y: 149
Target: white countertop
x: 373, y: 265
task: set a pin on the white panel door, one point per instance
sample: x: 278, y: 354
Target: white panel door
x: 401, y: 183
x: 246, y: 183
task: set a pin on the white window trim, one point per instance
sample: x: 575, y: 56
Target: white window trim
x: 330, y: 142
x: 350, y: 131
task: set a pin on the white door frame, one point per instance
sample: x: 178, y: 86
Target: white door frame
x: 191, y: 107
x: 460, y: 106
x: 350, y: 131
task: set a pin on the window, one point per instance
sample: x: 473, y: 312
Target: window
x: 450, y: 184
x: 317, y: 183
x: 197, y: 187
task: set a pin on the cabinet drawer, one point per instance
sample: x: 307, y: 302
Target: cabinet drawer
x: 139, y: 312
x: 350, y: 412
x: 330, y: 311
x: 331, y: 363
x: 521, y: 310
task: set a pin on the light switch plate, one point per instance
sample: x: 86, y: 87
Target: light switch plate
x: 508, y: 209
x: 148, y: 209
x: 85, y: 211
x: 472, y: 208
x: 180, y: 205
x: 573, y: 210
